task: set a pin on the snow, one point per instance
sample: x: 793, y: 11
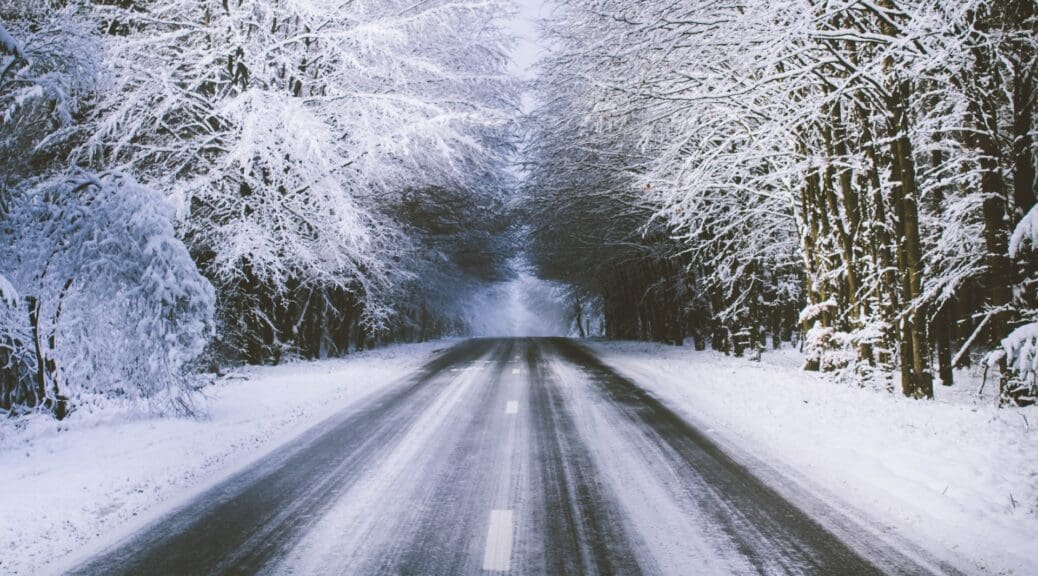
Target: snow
x: 1021, y: 349
x: 955, y: 476
x: 8, y: 45
x: 124, y: 306
x: 75, y: 485
x: 8, y: 295
x: 1025, y: 234
x: 812, y: 311
x: 673, y: 533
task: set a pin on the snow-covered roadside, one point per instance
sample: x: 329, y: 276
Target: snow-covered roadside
x: 67, y: 485
x: 956, y: 476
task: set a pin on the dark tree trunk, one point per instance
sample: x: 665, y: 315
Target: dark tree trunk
x: 40, y: 390
x: 942, y: 335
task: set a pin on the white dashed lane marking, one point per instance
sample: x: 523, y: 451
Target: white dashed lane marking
x: 512, y: 407
x: 498, y: 556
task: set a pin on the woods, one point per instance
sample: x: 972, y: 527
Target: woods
x: 248, y: 181
x: 849, y: 172
x: 190, y: 185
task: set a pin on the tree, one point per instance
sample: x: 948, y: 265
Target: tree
x: 864, y: 162
x: 291, y: 135
x: 48, y: 77
x: 115, y: 305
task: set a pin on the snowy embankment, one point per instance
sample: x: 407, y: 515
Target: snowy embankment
x: 957, y: 477
x: 68, y: 485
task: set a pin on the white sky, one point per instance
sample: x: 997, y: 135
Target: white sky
x: 524, y: 25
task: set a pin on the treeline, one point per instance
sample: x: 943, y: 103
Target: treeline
x: 860, y: 175
x: 189, y: 184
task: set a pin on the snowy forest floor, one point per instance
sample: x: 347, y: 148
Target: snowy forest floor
x: 65, y: 486
x: 957, y: 476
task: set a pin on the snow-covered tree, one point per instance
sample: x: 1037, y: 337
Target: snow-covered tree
x: 1019, y: 349
x: 289, y: 135
x: 682, y: 193
x: 866, y: 161
x: 49, y: 71
x: 50, y: 67
x: 113, y: 304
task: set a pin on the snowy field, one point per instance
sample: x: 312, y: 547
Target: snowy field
x: 75, y: 484
x: 956, y: 476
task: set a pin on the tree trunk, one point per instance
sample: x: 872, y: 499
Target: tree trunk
x: 942, y: 335
x: 40, y: 390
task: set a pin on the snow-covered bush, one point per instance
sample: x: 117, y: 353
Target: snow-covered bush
x: 114, y: 302
x: 1021, y: 347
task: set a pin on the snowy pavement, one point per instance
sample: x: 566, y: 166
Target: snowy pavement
x: 954, y: 479
x: 73, y: 486
x: 522, y: 456
x: 528, y: 456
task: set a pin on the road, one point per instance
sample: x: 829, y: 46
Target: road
x: 519, y: 456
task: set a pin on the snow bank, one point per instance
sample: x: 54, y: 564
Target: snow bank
x: 957, y: 476
x: 68, y: 485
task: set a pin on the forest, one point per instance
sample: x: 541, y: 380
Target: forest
x: 189, y: 185
x: 858, y: 177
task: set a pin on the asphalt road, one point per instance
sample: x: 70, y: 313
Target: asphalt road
x: 520, y: 456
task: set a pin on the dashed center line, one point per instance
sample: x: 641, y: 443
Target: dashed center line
x: 498, y: 555
x: 512, y: 407
x: 515, y: 371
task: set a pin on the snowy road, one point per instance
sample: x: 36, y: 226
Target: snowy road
x: 526, y: 456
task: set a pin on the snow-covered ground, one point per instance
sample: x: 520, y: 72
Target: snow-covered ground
x: 956, y: 476
x: 69, y: 485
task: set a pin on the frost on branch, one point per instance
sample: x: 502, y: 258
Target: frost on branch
x: 8, y: 295
x: 1025, y: 236
x: 43, y: 92
x: 115, y: 306
x: 8, y: 45
x: 1021, y: 354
